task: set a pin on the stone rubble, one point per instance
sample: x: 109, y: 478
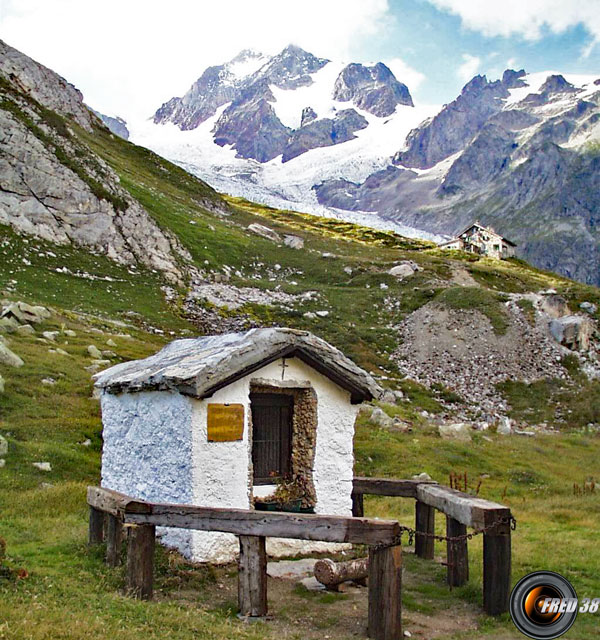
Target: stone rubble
x: 460, y: 350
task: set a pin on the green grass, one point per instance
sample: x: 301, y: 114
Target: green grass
x: 71, y: 594
x: 556, y: 529
x: 476, y: 299
x: 565, y: 405
x: 51, y: 274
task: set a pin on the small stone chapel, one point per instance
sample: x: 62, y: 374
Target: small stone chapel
x: 224, y: 420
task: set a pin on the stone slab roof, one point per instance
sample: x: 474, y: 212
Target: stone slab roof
x: 200, y: 366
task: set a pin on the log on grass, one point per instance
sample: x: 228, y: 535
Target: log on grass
x: 332, y: 573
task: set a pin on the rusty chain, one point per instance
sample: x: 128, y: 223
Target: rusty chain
x: 397, y: 540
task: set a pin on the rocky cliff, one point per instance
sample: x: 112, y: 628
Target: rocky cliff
x: 53, y: 186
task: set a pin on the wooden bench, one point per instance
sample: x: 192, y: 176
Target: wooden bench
x: 252, y: 528
x: 461, y: 511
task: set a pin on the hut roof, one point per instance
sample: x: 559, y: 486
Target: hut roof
x: 200, y: 366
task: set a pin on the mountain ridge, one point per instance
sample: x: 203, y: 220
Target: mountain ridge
x: 502, y: 152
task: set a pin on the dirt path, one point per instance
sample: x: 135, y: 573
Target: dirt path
x: 431, y: 611
x: 462, y: 277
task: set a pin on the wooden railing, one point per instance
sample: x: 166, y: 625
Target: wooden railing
x: 461, y: 511
x: 252, y: 527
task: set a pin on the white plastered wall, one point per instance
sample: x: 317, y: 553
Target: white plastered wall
x: 145, y: 433
x: 147, y: 451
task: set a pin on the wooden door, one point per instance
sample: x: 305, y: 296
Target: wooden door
x: 272, y: 416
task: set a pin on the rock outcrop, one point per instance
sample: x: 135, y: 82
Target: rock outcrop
x: 456, y: 124
x: 54, y: 187
x: 116, y: 125
x: 43, y: 85
x: 217, y: 86
x: 374, y: 89
x: 574, y: 332
x: 324, y: 133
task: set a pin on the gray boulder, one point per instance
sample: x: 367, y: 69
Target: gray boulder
x: 42, y: 466
x: 25, y: 330
x: 8, y: 357
x: 8, y: 325
x: 381, y: 419
x: 588, y: 307
x: 404, y: 269
x: 294, y: 242
x: 265, y: 232
x: 3, y: 446
x: 24, y: 313
x: 573, y: 332
x: 94, y: 352
x: 460, y: 431
x: 1, y: 384
x: 505, y: 426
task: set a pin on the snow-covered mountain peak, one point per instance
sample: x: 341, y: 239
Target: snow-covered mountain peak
x: 244, y: 64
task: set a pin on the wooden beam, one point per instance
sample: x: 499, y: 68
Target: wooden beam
x: 457, y: 556
x: 140, y: 561
x: 387, y: 486
x: 96, y: 527
x: 113, y: 502
x: 385, y: 593
x: 114, y: 537
x: 243, y: 522
x: 358, y: 506
x: 425, y: 522
x: 496, y: 569
x: 252, y: 577
x: 466, y: 509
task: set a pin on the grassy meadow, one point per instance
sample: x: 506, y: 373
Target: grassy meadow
x: 69, y: 593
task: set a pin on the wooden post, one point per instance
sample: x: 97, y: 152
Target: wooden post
x: 252, y: 577
x: 96, y: 527
x: 457, y: 555
x: 358, y: 508
x: 114, y: 535
x: 140, y: 561
x: 496, y: 570
x: 425, y: 522
x: 385, y: 593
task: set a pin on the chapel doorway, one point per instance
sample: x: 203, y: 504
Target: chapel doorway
x: 272, y: 428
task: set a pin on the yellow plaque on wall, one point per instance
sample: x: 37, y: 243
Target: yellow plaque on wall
x: 225, y: 422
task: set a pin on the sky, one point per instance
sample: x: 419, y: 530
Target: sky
x: 130, y: 56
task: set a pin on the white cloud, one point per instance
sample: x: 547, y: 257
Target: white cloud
x: 526, y: 19
x: 130, y: 56
x: 406, y: 74
x: 469, y: 67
